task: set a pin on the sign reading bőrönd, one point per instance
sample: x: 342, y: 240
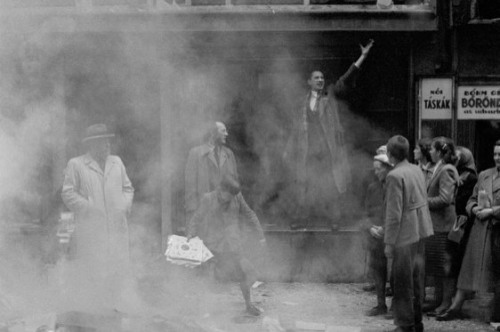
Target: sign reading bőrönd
x: 478, y: 102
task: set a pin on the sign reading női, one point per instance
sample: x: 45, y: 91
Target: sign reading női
x: 435, y: 102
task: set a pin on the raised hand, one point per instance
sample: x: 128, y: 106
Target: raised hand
x: 366, y: 49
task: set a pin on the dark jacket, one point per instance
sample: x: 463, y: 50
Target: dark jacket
x: 468, y: 180
x: 329, y: 106
x: 218, y: 225
x: 203, y: 174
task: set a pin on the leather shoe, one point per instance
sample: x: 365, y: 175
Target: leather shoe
x: 369, y: 288
x: 450, y: 315
x: 436, y: 313
x: 429, y: 307
x: 376, y: 311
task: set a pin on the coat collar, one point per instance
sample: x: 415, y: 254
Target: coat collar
x: 93, y: 165
x: 402, y: 163
x: 435, y: 172
x: 208, y: 150
x: 488, y: 182
x: 319, y: 103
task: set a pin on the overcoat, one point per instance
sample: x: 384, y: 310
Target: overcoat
x: 219, y: 226
x: 203, y: 172
x: 475, y: 273
x: 441, y: 191
x: 329, y: 106
x: 100, y: 202
x: 407, y: 216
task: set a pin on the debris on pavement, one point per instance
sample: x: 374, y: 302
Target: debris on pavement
x: 272, y: 325
x: 309, y: 326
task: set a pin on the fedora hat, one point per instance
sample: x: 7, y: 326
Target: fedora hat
x: 98, y: 130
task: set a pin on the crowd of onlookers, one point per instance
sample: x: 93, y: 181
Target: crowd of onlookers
x: 462, y: 256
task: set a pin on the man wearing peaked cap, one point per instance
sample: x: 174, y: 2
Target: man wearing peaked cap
x: 97, y: 190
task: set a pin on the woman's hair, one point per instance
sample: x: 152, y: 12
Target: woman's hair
x: 497, y: 143
x: 446, y: 148
x: 425, y: 146
x: 465, y: 160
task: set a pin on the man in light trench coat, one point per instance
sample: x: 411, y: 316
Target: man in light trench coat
x: 206, y: 165
x: 97, y: 190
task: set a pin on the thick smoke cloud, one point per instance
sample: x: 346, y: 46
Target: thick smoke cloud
x: 157, y: 93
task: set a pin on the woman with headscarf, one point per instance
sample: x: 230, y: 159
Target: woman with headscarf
x: 439, y: 251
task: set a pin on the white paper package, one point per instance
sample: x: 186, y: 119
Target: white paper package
x: 191, y: 254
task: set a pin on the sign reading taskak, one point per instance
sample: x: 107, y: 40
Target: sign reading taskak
x: 435, y: 98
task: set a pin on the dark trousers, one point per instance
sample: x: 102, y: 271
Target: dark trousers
x: 408, y: 273
x: 378, y: 267
x: 495, y: 261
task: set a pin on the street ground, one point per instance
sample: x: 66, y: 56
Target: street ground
x: 176, y: 299
x: 291, y: 307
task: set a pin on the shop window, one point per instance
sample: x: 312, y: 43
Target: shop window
x: 486, y: 9
x: 479, y: 136
x: 435, y: 128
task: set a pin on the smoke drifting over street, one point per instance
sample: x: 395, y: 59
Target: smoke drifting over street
x: 157, y: 91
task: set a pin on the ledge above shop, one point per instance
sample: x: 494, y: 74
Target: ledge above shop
x: 239, y: 18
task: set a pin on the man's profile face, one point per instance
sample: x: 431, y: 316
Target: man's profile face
x: 221, y: 135
x: 316, y: 81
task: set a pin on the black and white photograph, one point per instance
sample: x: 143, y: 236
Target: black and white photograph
x: 249, y: 165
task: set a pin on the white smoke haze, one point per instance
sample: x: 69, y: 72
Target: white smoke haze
x: 157, y: 92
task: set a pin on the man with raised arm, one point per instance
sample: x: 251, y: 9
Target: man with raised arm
x: 315, y: 150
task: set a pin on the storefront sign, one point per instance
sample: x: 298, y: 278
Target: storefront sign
x: 435, y: 102
x: 478, y: 103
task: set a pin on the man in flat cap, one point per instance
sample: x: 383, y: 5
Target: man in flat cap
x: 97, y: 190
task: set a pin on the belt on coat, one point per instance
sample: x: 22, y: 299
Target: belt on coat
x: 416, y: 205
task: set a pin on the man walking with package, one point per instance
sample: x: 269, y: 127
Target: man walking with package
x: 217, y: 223
x: 206, y: 165
x: 407, y: 223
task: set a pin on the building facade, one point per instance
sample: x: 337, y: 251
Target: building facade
x: 157, y: 70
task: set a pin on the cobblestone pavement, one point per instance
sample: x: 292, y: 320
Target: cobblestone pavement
x: 187, y: 303
x: 326, y: 307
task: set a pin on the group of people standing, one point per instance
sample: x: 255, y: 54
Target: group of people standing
x: 98, y: 191
x: 434, y: 223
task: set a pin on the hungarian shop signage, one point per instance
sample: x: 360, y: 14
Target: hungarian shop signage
x: 435, y: 98
x: 478, y: 102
